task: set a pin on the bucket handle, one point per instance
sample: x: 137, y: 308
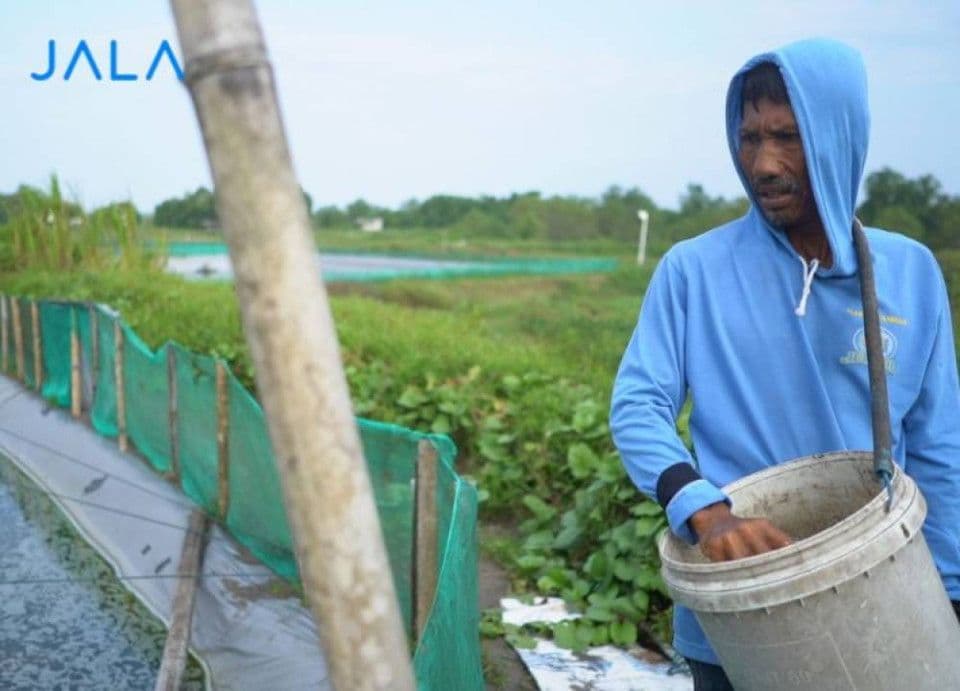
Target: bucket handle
x: 876, y: 365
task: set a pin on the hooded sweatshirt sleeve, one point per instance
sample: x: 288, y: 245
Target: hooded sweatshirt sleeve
x: 932, y: 436
x: 648, y: 392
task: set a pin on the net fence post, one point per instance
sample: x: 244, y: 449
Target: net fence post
x: 94, y: 322
x: 4, y: 334
x: 76, y: 385
x: 174, y: 659
x: 425, y: 563
x: 172, y: 413
x: 118, y: 384
x: 223, y: 438
x: 37, y: 345
x: 18, y: 339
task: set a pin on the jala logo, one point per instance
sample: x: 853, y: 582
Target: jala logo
x: 858, y: 356
x: 83, y: 52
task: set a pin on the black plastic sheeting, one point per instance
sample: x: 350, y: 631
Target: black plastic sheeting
x: 251, y: 630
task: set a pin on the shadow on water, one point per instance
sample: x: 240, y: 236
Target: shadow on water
x: 65, y: 620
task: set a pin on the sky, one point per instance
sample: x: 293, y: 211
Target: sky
x: 390, y: 101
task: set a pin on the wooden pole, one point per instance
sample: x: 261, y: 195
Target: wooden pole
x: 4, y: 334
x: 173, y: 414
x: 18, y: 338
x: 37, y: 345
x: 425, y: 536
x: 76, y: 384
x: 118, y: 384
x: 94, y: 351
x: 286, y: 316
x: 223, y: 447
x: 174, y: 658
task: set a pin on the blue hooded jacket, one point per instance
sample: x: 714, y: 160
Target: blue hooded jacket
x: 775, y: 371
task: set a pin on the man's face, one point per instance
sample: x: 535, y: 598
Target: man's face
x: 771, y: 155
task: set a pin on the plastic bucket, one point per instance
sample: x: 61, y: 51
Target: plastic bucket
x: 854, y: 603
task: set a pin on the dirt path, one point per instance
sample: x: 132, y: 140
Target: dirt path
x: 502, y: 667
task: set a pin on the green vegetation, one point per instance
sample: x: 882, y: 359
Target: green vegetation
x: 918, y: 208
x: 451, y: 224
x: 525, y: 397
x: 517, y: 370
x: 44, y: 232
x: 195, y: 210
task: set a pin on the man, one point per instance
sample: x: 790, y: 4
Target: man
x: 760, y: 321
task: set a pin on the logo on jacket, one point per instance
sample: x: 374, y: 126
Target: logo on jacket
x: 858, y: 356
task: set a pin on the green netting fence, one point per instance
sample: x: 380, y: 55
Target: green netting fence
x: 448, y: 266
x: 171, y: 407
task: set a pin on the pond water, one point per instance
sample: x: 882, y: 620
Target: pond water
x: 65, y: 620
x: 335, y: 267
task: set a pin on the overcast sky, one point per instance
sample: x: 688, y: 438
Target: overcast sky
x: 396, y: 100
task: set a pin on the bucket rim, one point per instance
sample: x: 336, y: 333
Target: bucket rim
x: 843, y: 526
x: 847, y: 548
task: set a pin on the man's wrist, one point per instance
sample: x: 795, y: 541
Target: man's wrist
x: 701, y: 521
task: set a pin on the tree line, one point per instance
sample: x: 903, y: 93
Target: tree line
x: 917, y: 207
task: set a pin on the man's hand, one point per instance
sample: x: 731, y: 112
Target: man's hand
x: 724, y: 537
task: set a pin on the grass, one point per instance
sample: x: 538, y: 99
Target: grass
x: 569, y: 326
x: 432, y: 242
x: 452, y: 242
x: 49, y: 233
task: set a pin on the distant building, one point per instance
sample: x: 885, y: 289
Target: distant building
x: 370, y: 225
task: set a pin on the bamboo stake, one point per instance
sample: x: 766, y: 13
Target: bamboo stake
x: 223, y: 449
x: 37, y: 346
x: 94, y: 351
x: 118, y: 384
x: 18, y: 338
x: 425, y: 566
x: 76, y: 385
x: 286, y: 316
x: 174, y: 658
x: 173, y: 413
x: 4, y: 335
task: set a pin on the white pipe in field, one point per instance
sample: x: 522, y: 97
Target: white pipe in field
x: 644, y: 217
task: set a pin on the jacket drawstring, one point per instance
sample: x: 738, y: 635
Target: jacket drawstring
x: 808, y: 273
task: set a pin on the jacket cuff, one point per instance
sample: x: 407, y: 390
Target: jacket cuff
x: 687, y: 501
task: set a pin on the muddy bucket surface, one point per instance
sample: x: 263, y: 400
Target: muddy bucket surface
x: 854, y: 603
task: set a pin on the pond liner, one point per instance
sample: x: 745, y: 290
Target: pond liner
x: 250, y: 629
x: 363, y: 267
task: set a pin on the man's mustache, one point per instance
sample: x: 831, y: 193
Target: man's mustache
x: 775, y: 184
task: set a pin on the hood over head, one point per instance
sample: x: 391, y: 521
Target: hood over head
x: 827, y: 85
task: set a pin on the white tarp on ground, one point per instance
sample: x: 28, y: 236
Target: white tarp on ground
x: 249, y: 631
x: 604, y: 668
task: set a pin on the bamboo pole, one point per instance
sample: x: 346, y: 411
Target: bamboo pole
x: 174, y: 659
x: 118, y: 384
x: 173, y: 413
x: 286, y: 316
x: 425, y: 566
x: 76, y: 385
x: 18, y: 339
x: 4, y: 334
x: 223, y: 448
x: 37, y: 345
x: 94, y: 321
